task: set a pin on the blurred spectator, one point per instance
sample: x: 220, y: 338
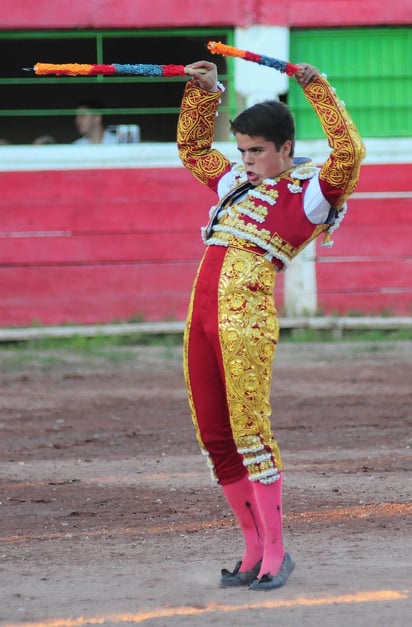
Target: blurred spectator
x: 89, y: 123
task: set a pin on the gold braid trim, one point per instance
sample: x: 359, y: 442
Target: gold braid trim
x: 195, y: 134
x: 248, y: 332
x: 341, y: 169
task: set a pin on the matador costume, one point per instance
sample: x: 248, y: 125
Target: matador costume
x: 253, y: 232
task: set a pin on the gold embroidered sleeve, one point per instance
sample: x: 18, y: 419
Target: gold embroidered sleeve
x: 195, y: 134
x: 340, y: 174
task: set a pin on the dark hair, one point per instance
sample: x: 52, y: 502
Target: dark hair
x: 271, y: 120
x: 90, y: 103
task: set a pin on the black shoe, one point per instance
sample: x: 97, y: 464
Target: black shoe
x: 238, y: 579
x: 269, y: 582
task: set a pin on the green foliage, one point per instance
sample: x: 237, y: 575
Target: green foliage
x: 334, y: 335
x: 48, y: 354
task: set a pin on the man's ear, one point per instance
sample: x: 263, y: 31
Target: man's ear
x: 286, y: 148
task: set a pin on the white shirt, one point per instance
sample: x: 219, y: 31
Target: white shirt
x: 108, y: 138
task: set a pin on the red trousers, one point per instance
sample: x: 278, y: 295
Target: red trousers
x: 229, y: 347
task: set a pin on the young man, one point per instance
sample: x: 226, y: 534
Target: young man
x: 89, y: 123
x: 269, y: 209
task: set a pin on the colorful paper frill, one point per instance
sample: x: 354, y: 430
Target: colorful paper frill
x: 114, y: 69
x: 216, y: 47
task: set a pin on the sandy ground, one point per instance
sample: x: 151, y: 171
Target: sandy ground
x: 108, y: 516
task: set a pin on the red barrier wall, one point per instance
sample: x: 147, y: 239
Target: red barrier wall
x: 163, y: 14
x: 98, y: 245
x: 106, y: 245
x: 368, y: 270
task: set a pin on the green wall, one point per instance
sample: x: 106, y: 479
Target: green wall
x: 371, y: 69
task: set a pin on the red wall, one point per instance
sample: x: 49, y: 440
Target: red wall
x: 98, y: 245
x: 165, y: 14
x: 106, y: 245
x: 368, y: 270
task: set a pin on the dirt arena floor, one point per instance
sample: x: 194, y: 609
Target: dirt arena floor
x: 108, y: 516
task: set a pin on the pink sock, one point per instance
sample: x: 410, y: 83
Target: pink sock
x: 241, y: 498
x: 269, y: 500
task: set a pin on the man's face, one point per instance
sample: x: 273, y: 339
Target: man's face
x: 86, y: 121
x: 261, y: 158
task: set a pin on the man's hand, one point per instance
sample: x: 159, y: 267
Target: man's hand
x: 307, y: 73
x: 204, y: 75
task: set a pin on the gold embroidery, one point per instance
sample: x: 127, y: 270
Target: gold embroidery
x: 272, y: 193
x: 250, y: 208
x: 232, y: 230
x: 195, y: 132
x: 342, y: 168
x: 249, y: 331
x: 253, y: 230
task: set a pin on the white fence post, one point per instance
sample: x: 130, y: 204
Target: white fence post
x: 300, y: 289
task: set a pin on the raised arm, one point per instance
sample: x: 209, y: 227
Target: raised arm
x: 196, y: 125
x: 340, y: 173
